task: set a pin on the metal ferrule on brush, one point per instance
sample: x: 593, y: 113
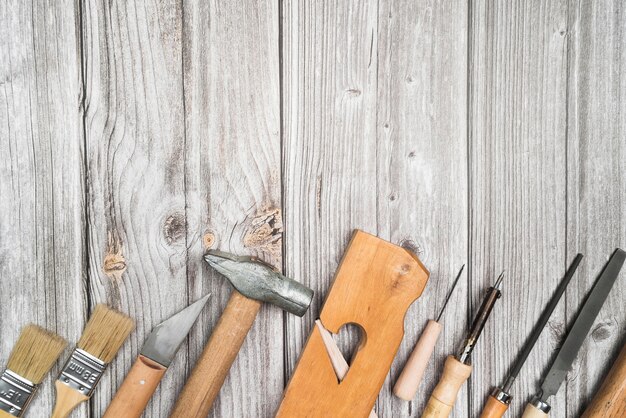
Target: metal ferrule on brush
x: 15, y: 393
x: 82, y: 372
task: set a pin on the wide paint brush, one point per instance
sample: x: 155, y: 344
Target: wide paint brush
x: 33, y: 356
x: 156, y: 355
x: 102, y: 338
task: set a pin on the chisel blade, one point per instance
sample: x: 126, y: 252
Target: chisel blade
x: 164, y: 340
x: 582, y: 325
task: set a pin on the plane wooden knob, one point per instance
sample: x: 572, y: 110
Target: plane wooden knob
x: 610, y: 401
x: 444, y: 395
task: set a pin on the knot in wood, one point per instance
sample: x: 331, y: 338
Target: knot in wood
x: 174, y: 227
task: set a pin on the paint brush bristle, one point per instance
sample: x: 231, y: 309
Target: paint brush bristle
x: 35, y: 352
x: 105, y: 333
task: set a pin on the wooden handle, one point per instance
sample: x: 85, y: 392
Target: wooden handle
x: 219, y: 354
x: 67, y: 400
x: 533, y: 412
x: 442, y: 399
x: 136, y: 390
x: 411, y: 375
x: 494, y: 408
x: 610, y: 400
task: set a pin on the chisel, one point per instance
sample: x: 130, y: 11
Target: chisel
x: 610, y: 401
x: 411, y: 375
x: 539, y: 407
x: 156, y: 355
x: 500, y: 398
x: 457, y: 370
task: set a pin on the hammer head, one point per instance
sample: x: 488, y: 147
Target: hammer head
x: 255, y: 279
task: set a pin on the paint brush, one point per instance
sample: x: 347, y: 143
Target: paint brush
x: 102, y: 338
x: 33, y: 356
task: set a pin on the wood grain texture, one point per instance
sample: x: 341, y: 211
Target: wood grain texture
x: 596, y: 209
x: 364, y: 124
x: 134, y: 127
x: 135, y: 135
x: 329, y: 93
x: 518, y: 193
x: 232, y: 180
x: 422, y: 171
x: 42, y: 250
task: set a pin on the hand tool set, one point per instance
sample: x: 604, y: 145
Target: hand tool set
x: 374, y: 285
x: 539, y: 406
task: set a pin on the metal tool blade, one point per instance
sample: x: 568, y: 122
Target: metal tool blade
x: 164, y: 340
x: 541, y: 323
x: 582, y: 325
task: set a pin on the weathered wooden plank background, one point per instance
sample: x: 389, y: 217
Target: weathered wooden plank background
x: 134, y: 135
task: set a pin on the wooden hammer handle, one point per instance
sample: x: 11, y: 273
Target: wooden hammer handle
x: 136, y: 390
x: 210, y: 371
x: 610, y: 401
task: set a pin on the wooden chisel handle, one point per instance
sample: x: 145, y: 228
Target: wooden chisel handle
x: 210, y: 371
x: 411, y: 375
x: 494, y: 408
x: 531, y: 411
x: 444, y: 395
x: 610, y: 400
x: 132, y: 397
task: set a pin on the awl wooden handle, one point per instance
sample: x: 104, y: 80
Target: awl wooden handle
x: 132, y: 397
x: 444, y: 395
x: 610, y: 400
x: 219, y: 354
x: 411, y: 375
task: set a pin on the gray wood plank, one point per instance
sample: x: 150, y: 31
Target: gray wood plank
x: 596, y: 181
x: 42, y: 248
x: 233, y: 178
x: 518, y: 53
x: 136, y: 180
x: 422, y: 171
x: 329, y: 144
x: 362, y: 117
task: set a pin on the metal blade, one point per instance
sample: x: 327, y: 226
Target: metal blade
x: 164, y: 340
x: 582, y: 325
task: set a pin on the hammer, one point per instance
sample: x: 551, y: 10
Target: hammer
x: 254, y: 282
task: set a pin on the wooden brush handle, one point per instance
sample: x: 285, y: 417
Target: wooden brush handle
x: 411, y: 375
x: 444, y: 395
x: 610, y: 400
x: 532, y: 411
x: 219, y: 354
x: 494, y: 408
x: 67, y: 400
x: 136, y: 390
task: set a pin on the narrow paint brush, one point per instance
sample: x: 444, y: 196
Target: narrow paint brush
x: 33, y: 356
x: 102, y: 338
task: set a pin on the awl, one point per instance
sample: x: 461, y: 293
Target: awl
x: 539, y: 406
x: 411, y: 375
x: 500, y: 398
x: 156, y: 355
